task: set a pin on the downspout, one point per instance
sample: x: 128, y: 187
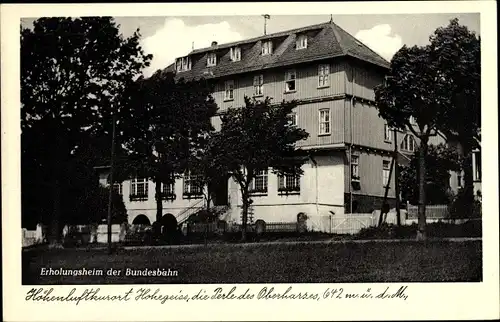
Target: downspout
x: 316, y: 182
x: 351, y: 140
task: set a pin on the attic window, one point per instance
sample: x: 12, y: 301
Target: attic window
x: 235, y: 53
x: 301, y: 42
x: 183, y: 64
x: 267, y: 47
x: 211, y: 59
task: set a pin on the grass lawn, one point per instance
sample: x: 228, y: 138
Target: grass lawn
x: 408, y: 261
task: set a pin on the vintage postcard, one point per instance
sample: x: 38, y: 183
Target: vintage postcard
x: 250, y: 161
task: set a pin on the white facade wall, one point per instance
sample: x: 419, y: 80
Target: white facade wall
x: 321, y: 195
x: 148, y: 207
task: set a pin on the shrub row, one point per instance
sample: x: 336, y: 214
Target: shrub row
x: 471, y: 228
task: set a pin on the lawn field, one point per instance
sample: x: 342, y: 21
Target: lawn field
x: 373, y: 261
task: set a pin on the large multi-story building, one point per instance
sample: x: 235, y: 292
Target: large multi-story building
x: 332, y: 76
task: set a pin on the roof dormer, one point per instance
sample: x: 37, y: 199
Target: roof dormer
x: 301, y: 41
x: 267, y: 47
x: 235, y: 53
x: 212, y: 59
x: 183, y: 64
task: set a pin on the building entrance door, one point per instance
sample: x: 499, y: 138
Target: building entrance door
x: 220, y: 192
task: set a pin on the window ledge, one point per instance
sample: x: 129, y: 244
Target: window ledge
x: 228, y: 99
x: 192, y: 196
x: 138, y: 198
x: 290, y: 92
x: 287, y: 193
x: 168, y: 197
x: 324, y: 134
x: 388, y: 141
x: 258, y: 194
x: 257, y: 96
x: 324, y: 86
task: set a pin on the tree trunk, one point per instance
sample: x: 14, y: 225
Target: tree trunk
x: 159, y: 202
x: 58, y: 171
x: 55, y: 229
x: 421, y: 233
x: 468, y: 179
x: 244, y: 217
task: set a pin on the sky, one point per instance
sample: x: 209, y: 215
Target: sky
x: 170, y: 37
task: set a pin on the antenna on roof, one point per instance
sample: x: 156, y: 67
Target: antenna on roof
x: 266, y: 16
x: 192, y: 46
x: 331, y: 18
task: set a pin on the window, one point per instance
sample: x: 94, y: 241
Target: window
x: 355, y: 168
x: 229, y: 90
x: 258, y: 85
x: 183, y: 64
x: 118, y: 188
x: 387, y: 133
x: 324, y: 121
x: 267, y: 47
x: 301, y: 42
x: 477, y: 165
x: 290, y: 81
x: 211, y: 59
x: 235, y: 53
x: 292, y: 119
x: 192, y: 186
x: 259, y: 183
x: 168, y: 191
x: 178, y: 64
x: 323, y: 75
x: 386, y: 169
x: 288, y: 183
x: 408, y: 143
x: 139, y: 189
x: 459, y: 180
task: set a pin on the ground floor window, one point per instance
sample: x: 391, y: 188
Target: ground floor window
x: 192, y: 186
x: 288, y: 183
x: 118, y: 188
x: 259, y: 183
x: 476, y: 160
x: 138, y: 189
x: 168, y: 191
x: 386, y: 169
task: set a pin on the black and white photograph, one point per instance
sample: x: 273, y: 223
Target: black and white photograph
x: 261, y: 149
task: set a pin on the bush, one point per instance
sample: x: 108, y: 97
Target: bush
x: 459, y: 205
x: 471, y: 228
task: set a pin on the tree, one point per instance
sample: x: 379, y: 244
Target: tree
x: 255, y: 137
x: 412, y: 89
x: 458, y: 58
x: 168, y: 126
x: 75, y: 73
x: 440, y: 160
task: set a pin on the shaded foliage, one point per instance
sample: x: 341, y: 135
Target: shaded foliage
x: 438, y: 85
x: 254, y: 137
x: 168, y: 125
x: 440, y: 160
x: 457, y: 52
x: 75, y: 73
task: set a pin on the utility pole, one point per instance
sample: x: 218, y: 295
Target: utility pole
x: 266, y: 16
x: 110, y: 200
x: 396, y: 178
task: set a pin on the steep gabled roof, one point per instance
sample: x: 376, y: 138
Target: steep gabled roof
x: 326, y: 40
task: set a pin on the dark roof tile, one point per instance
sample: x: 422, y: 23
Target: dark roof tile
x: 325, y: 41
